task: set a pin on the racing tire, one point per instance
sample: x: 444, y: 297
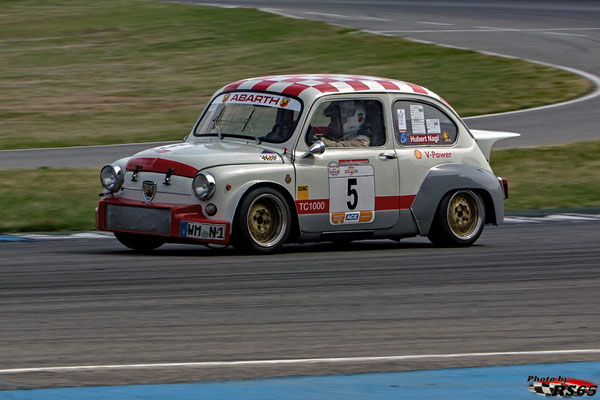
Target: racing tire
x: 140, y: 243
x: 263, y: 223
x: 459, y: 219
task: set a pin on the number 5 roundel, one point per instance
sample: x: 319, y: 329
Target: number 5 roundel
x: 351, y: 192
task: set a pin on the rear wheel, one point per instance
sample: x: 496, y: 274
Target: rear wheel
x: 141, y: 243
x: 263, y: 223
x: 459, y: 219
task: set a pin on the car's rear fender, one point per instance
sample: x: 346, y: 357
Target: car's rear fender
x: 446, y: 178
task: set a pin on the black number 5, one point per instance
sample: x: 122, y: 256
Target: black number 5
x: 352, y: 192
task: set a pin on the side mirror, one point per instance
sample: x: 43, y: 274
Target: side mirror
x: 317, y: 147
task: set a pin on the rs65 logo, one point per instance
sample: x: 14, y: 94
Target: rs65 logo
x: 561, y: 387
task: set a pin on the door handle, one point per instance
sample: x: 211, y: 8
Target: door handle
x: 388, y: 156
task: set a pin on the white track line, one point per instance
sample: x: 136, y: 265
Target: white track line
x: 434, y: 23
x: 564, y: 34
x: 340, y: 16
x: 591, y: 77
x: 486, y: 29
x: 298, y: 361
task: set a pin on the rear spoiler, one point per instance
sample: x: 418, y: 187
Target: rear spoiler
x: 486, y: 139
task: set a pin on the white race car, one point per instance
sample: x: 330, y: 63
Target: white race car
x: 300, y: 158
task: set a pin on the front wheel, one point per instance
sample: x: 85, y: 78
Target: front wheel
x: 141, y: 243
x: 459, y: 219
x: 263, y: 222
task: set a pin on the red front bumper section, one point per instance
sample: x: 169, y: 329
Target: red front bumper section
x: 180, y: 213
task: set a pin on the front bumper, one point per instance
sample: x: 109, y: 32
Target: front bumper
x: 175, y: 222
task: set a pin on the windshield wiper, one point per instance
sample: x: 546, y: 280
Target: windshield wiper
x: 214, y: 124
x: 247, y: 122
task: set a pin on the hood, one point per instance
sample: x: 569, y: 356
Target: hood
x: 187, y: 159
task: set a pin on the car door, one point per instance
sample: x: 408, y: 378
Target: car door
x: 353, y: 184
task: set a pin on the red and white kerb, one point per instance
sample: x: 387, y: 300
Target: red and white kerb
x: 310, y: 86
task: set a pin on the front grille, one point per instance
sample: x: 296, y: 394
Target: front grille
x: 138, y: 219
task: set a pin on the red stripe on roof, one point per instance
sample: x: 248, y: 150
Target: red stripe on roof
x: 357, y: 85
x: 326, y: 88
x: 161, y: 165
x: 295, y: 89
x: 389, y: 85
x: 263, y: 85
x: 233, y: 86
x: 445, y: 102
x: 416, y: 88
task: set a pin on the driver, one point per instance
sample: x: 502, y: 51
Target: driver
x: 347, y: 118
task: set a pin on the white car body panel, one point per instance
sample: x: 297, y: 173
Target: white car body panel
x: 353, y: 189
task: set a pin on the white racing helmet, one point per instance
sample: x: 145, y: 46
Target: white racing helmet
x: 352, y: 116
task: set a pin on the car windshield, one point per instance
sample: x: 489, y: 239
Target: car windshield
x: 250, y: 115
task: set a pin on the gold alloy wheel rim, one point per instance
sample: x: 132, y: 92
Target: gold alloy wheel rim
x: 266, y: 223
x: 464, y: 215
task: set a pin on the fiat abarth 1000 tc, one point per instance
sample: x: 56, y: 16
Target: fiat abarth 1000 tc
x: 302, y: 158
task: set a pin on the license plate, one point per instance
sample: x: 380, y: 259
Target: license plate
x: 202, y: 231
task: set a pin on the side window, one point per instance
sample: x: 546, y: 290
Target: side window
x: 348, y: 123
x: 422, y: 124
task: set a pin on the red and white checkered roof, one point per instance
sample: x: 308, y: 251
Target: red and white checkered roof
x: 309, y: 87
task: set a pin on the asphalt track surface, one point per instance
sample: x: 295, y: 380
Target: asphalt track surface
x: 522, y: 287
x: 93, y: 302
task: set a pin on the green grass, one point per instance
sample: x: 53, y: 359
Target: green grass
x: 548, y: 177
x: 48, y: 199
x: 565, y: 176
x: 78, y: 72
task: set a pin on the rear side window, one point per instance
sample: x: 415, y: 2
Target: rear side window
x: 418, y: 124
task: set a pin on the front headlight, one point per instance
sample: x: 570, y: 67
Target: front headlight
x: 111, y: 177
x: 203, y: 186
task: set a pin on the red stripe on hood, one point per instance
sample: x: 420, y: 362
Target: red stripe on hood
x: 161, y: 165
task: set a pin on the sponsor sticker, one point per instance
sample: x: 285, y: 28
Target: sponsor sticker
x: 334, y: 168
x: 432, y: 154
x: 312, y: 206
x: 418, y: 126
x: 433, y: 126
x: 354, y: 162
x: 269, y: 157
x: 403, y: 138
x: 303, y: 192
x: 427, y: 139
x: 352, y: 217
x: 259, y: 99
x: 401, y: 115
x: 437, y: 154
x: 202, y: 231
x: 446, y: 137
x: 417, y: 112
